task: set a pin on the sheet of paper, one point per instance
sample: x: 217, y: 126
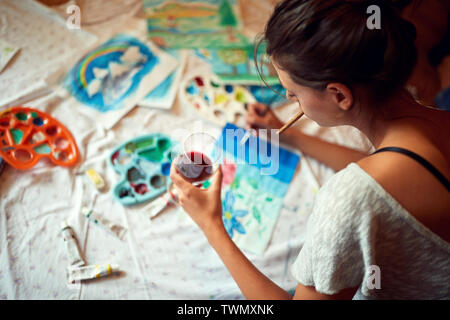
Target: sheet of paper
x: 45, y: 42
x: 254, y: 187
x: 163, y: 96
x: 111, y: 79
x: 195, y: 23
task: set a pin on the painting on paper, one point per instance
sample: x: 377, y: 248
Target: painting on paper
x: 115, y: 76
x: 237, y: 65
x: 194, y: 23
x: 252, y: 198
x: 163, y: 96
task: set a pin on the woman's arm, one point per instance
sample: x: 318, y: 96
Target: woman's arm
x: 205, y: 208
x: 332, y: 155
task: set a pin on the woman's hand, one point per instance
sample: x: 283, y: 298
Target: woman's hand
x: 261, y: 116
x: 203, y: 205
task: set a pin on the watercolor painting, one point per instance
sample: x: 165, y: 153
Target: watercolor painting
x: 237, y: 65
x: 163, y: 96
x: 194, y: 23
x: 115, y: 76
x: 252, y: 201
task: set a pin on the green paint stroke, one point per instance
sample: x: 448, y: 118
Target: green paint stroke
x: 256, y: 214
x: 17, y: 135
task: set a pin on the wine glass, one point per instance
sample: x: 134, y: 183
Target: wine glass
x: 198, y: 161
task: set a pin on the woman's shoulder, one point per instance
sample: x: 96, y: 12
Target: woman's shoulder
x: 413, y: 187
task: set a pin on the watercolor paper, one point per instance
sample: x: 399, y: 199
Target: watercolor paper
x: 194, y: 24
x: 252, y: 200
x: 163, y: 96
x: 112, y: 78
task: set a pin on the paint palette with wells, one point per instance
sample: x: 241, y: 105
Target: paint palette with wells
x: 144, y: 166
x: 216, y: 102
x: 28, y: 135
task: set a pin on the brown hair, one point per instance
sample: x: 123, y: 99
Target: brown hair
x: 321, y: 41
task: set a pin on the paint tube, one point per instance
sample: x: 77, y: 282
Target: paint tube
x: 96, y: 179
x: 75, y: 274
x: 158, y: 205
x: 114, y: 228
x: 72, y: 247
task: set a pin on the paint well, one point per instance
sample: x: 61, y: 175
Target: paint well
x: 134, y: 175
x: 51, y: 131
x: 43, y: 149
x: 22, y: 155
x: 17, y: 135
x: 152, y: 155
x: 158, y: 182
x: 145, y: 143
x: 21, y: 116
x: 38, y: 121
x: 163, y: 144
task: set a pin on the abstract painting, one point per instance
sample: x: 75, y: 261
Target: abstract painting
x: 115, y: 76
x: 194, y: 23
x: 251, y: 199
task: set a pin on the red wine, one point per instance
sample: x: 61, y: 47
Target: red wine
x: 195, y: 166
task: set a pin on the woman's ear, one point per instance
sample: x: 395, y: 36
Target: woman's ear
x: 341, y: 95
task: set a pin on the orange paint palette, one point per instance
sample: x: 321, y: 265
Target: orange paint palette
x: 28, y: 135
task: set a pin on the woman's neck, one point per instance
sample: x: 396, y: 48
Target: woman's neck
x: 395, y: 118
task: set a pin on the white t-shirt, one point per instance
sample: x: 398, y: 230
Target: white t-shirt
x: 359, y: 235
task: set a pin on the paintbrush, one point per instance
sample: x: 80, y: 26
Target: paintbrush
x: 290, y: 122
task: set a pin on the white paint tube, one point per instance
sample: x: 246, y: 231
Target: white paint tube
x: 72, y: 247
x: 114, y: 228
x: 155, y: 207
x: 75, y: 274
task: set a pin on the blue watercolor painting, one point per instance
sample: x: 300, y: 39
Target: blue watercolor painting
x: 251, y: 198
x: 106, y: 76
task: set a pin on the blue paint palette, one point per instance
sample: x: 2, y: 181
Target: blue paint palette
x: 144, y: 166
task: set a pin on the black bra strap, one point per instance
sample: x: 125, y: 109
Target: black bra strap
x: 432, y: 169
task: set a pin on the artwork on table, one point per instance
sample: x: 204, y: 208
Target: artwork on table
x: 266, y: 95
x: 237, y: 65
x: 214, y: 101
x: 27, y: 135
x: 7, y: 52
x: 112, y: 78
x: 194, y: 23
x: 163, y: 96
x: 252, y: 199
x: 144, y: 167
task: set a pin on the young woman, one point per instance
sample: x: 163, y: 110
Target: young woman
x: 387, y: 212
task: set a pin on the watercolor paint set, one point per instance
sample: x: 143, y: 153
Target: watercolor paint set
x: 28, y: 135
x: 214, y: 101
x: 144, y: 166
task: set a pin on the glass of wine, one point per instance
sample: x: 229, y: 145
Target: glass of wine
x: 199, y: 159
